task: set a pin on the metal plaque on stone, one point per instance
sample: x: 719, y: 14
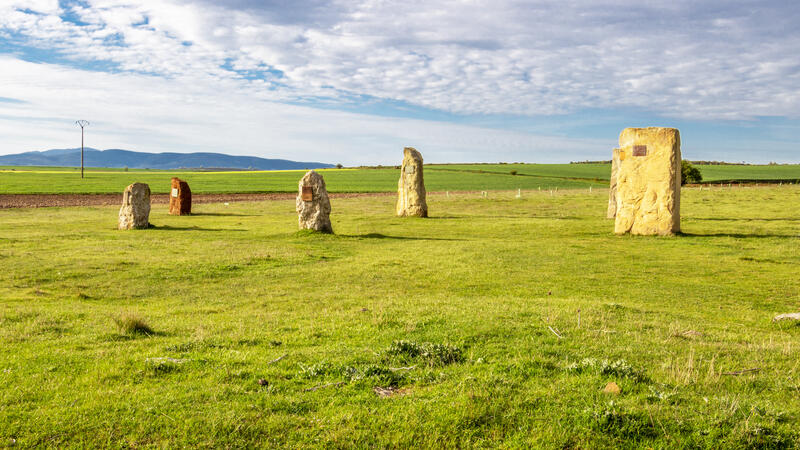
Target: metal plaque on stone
x: 174, y: 192
x: 639, y: 150
x: 308, y: 194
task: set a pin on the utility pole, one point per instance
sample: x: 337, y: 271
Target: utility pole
x: 82, y: 124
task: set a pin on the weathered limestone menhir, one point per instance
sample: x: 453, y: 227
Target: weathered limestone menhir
x: 180, y: 198
x: 135, y: 211
x: 411, y: 186
x: 612, y: 188
x: 649, y: 181
x: 313, y: 206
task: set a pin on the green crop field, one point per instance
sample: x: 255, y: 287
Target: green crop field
x: 718, y: 173
x: 711, y: 173
x: 498, y: 322
x: 444, y: 177
x: 68, y: 181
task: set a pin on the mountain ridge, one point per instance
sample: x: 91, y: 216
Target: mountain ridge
x: 119, y: 158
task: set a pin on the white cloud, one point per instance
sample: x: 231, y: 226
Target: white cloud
x: 149, y: 113
x: 710, y: 60
x: 713, y: 60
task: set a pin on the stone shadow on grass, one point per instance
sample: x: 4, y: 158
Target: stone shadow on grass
x: 736, y: 219
x: 171, y: 228
x: 223, y: 214
x: 403, y: 238
x: 738, y: 235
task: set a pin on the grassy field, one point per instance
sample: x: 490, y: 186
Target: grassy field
x: 338, y: 180
x: 455, y: 177
x: 496, y: 322
x: 603, y: 171
x: 719, y: 173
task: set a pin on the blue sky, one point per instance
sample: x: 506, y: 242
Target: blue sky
x: 356, y: 81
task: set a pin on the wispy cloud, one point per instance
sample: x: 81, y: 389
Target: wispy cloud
x: 673, y: 59
x: 151, y: 113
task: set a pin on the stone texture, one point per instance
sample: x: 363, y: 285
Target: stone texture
x: 180, y: 198
x: 612, y: 187
x: 135, y: 211
x: 313, y: 211
x: 411, y: 186
x: 649, y: 181
x: 787, y: 316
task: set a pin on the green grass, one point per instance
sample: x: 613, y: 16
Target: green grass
x: 450, y: 316
x: 338, y: 180
x: 719, y: 173
x: 568, y: 171
x: 603, y: 171
x: 450, y: 177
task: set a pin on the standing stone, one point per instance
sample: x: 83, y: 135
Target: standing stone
x: 313, y: 206
x: 411, y: 187
x: 649, y: 181
x: 135, y: 211
x: 612, y: 188
x: 180, y: 198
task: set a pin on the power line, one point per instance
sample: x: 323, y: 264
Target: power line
x: 82, y: 123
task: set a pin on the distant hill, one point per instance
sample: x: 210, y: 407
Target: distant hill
x: 142, y: 160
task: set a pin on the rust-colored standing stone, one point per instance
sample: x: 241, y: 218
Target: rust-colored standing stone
x: 180, y: 198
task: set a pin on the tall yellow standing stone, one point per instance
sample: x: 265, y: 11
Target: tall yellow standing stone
x: 649, y: 182
x: 612, y: 186
x: 411, y: 186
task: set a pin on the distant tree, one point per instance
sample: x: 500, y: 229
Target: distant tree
x: 513, y: 172
x: 690, y: 173
x: 339, y: 166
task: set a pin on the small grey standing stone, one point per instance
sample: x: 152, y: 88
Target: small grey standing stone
x: 135, y: 211
x: 313, y: 206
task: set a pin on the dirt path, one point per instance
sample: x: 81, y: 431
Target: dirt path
x: 47, y: 200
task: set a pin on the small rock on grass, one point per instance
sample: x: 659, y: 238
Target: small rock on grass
x: 389, y: 391
x: 165, y: 359
x: 789, y: 316
x: 612, y: 388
